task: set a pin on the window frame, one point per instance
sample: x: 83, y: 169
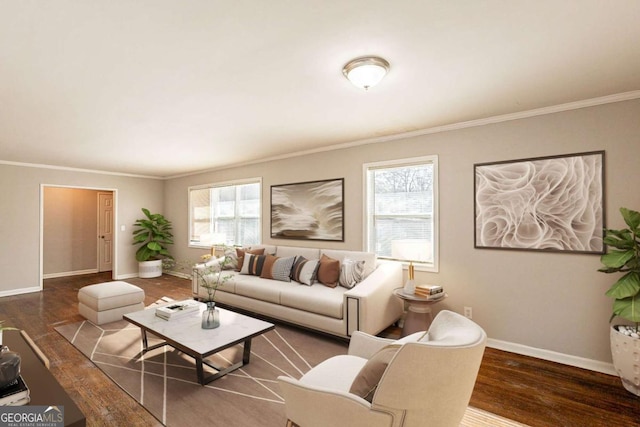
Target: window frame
x: 231, y: 183
x: 368, y: 217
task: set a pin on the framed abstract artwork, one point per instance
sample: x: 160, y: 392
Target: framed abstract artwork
x: 551, y: 203
x: 311, y: 210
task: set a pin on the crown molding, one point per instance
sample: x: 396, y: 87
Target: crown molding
x: 576, y: 105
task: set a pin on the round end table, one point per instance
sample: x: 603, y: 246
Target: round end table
x: 419, y: 315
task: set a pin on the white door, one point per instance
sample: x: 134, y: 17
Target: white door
x: 105, y: 231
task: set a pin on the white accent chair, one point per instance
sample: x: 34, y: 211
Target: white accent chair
x: 427, y: 382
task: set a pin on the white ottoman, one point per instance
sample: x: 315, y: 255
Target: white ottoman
x: 107, y: 302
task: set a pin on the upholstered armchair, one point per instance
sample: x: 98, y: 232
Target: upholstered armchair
x: 424, y: 379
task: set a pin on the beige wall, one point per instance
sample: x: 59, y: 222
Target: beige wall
x: 20, y: 211
x: 547, y: 301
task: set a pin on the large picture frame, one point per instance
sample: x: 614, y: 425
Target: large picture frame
x: 553, y: 203
x: 312, y: 210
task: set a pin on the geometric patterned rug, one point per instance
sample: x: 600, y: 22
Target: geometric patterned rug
x: 164, y: 380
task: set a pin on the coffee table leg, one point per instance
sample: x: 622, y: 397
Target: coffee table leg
x: 145, y: 343
x: 246, y: 352
x: 200, y: 370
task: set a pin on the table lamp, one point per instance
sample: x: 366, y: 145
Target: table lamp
x: 410, y: 250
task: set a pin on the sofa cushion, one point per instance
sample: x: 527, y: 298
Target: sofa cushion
x: 268, y: 249
x: 317, y: 299
x: 351, y: 273
x: 241, y: 252
x: 308, y: 253
x: 261, y: 289
x: 231, y: 256
x: 304, y: 270
x: 328, y: 271
x: 277, y: 268
x: 369, y: 258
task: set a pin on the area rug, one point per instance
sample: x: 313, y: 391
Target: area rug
x: 164, y: 382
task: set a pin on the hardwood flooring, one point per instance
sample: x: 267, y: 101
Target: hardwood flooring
x: 524, y: 389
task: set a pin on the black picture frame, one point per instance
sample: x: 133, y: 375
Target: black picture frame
x: 312, y: 210
x: 553, y: 204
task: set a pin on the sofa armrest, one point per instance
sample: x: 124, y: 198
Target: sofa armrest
x: 370, y: 305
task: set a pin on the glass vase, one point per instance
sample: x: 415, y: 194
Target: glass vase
x: 210, y: 316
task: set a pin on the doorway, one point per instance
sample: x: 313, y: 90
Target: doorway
x: 77, y: 231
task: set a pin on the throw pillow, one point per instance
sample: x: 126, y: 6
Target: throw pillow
x: 253, y: 264
x: 329, y: 271
x: 304, y: 270
x: 351, y: 273
x: 282, y: 269
x: 366, y: 382
x: 232, y: 259
x: 242, y: 252
x: 277, y: 268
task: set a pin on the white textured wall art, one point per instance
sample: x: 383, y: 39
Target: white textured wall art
x: 548, y: 203
x: 308, y: 210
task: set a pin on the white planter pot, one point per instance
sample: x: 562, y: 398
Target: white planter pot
x: 149, y: 269
x: 625, y: 352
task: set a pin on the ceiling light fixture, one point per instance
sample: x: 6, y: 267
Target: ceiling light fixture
x: 366, y: 72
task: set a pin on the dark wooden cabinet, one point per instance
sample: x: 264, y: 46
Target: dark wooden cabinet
x: 43, y: 387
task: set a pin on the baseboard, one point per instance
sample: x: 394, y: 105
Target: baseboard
x: 552, y: 356
x: 127, y: 276
x: 70, y: 273
x: 19, y: 291
x: 177, y: 274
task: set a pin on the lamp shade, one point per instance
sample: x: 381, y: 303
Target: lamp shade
x: 366, y: 72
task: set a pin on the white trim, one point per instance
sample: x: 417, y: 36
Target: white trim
x: 576, y: 105
x: 236, y: 182
x: 114, y: 271
x: 433, y: 160
x: 19, y: 291
x: 69, y: 273
x: 71, y: 169
x: 565, y: 359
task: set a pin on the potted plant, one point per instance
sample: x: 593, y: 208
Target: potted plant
x: 625, y: 258
x: 153, y: 234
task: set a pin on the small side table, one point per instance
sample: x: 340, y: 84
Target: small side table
x: 419, y: 316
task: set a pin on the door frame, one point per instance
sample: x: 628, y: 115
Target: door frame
x: 114, y: 191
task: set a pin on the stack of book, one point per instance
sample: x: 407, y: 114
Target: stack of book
x: 430, y: 292
x: 15, y: 394
x: 177, y: 309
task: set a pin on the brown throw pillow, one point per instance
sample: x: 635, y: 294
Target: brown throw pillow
x: 267, y: 267
x: 328, y: 271
x: 366, y: 383
x: 243, y: 251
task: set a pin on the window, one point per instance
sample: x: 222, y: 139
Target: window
x: 226, y: 213
x: 401, y: 210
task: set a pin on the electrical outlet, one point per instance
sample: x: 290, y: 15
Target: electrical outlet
x: 468, y: 313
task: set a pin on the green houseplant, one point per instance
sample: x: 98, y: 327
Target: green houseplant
x: 153, y: 234
x: 625, y: 258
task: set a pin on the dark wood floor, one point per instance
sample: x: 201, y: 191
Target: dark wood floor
x: 525, y: 389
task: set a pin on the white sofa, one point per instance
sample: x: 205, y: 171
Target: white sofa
x: 369, y: 306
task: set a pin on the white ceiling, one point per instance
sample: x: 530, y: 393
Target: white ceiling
x: 167, y: 87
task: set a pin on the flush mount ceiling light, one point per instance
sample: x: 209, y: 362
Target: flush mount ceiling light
x: 366, y: 72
